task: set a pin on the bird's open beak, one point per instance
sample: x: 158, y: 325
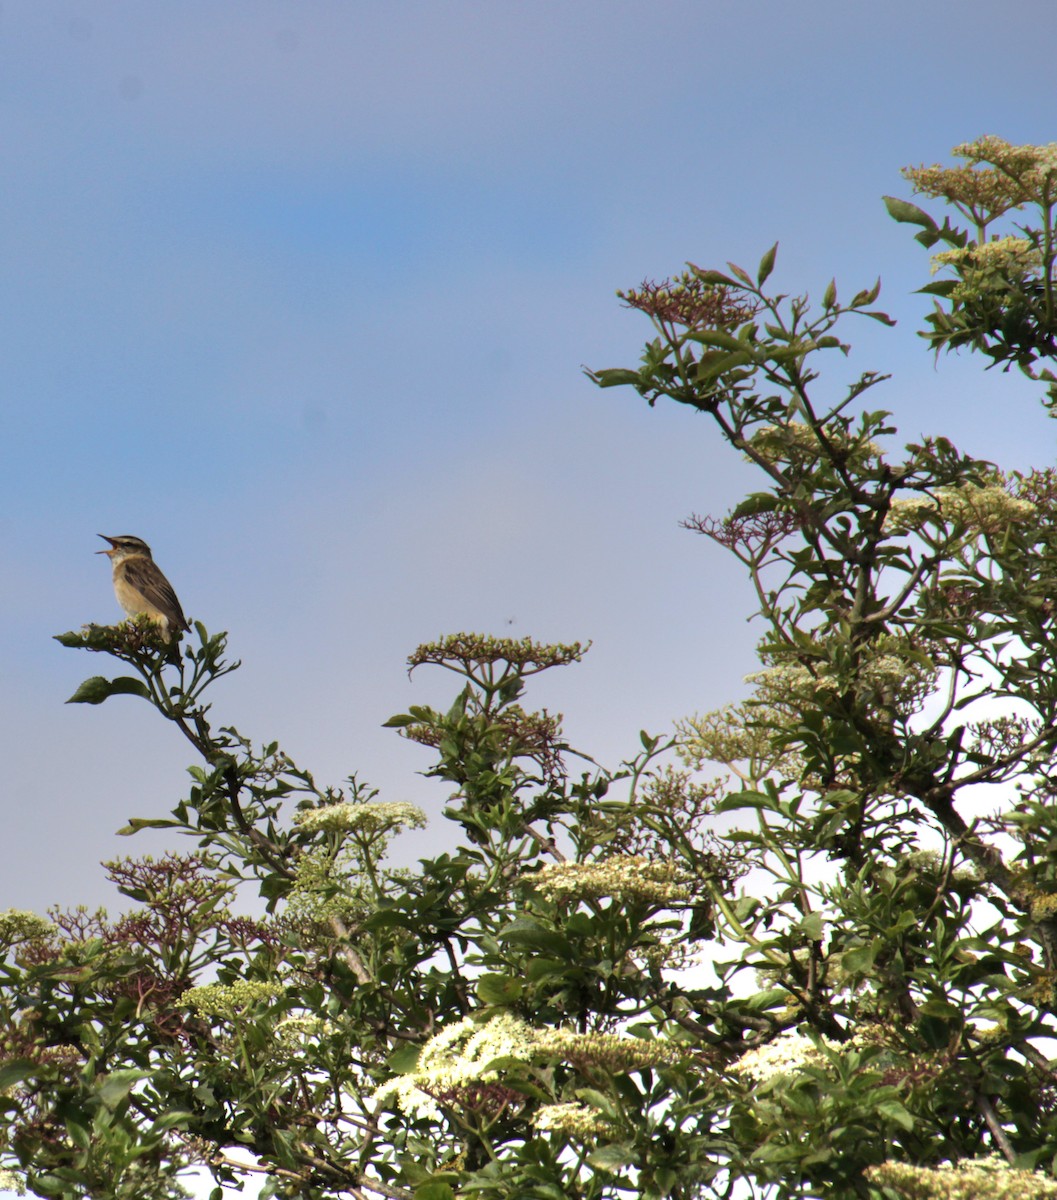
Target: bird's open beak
x: 113, y: 544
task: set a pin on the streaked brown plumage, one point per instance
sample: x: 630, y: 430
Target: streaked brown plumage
x: 140, y: 586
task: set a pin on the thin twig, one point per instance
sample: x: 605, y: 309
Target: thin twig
x: 987, y: 1111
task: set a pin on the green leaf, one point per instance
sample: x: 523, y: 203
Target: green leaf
x: 939, y: 287
x: 717, y: 337
x: 98, y: 688
x: 116, y: 1086
x: 135, y: 824
x: 400, y: 721
x: 860, y: 959
x: 499, y: 989
x: 894, y: 1111
x: 612, y: 1158
x: 174, y: 1119
x: 436, y: 1189
x: 599, y: 1100
x: 615, y: 377
x: 766, y: 266
x: 758, y: 800
x: 73, y: 640
x: 829, y: 296
x: 15, y: 1071
x: 527, y: 932
x: 812, y: 926
x: 707, y: 275
x: 404, y: 1059
x: 758, y: 502
x: 907, y: 213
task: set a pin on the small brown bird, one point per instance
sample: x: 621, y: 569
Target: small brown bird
x: 140, y: 586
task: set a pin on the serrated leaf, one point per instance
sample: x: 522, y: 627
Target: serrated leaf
x: 758, y: 502
x: 611, y: 1158
x: 99, y: 688
x: 527, y: 932
x: 173, y: 1119
x: 599, y: 1100
x: 717, y: 337
x: 615, y: 377
x: 707, y: 275
x: 716, y: 363
x: 939, y: 287
x: 435, y: 1189
x: 907, y: 213
x: 400, y: 721
x: 757, y: 800
x: 135, y: 824
x: 404, y: 1059
x: 766, y: 266
x: 72, y: 640
x: 894, y: 1111
x: 15, y: 1071
x: 499, y: 989
x: 116, y: 1086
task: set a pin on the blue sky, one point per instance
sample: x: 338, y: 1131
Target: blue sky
x: 300, y: 293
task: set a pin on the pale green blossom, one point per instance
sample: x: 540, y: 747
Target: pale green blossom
x: 1014, y: 257
x: 370, y: 817
x: 1027, y: 162
x: 614, y: 1051
x: 987, y: 509
x: 229, y: 999
x: 300, y: 1033
x: 576, y: 1120
x: 620, y: 877
x: 797, y: 439
x: 969, y: 1179
x: 729, y: 735
x: 895, y: 671
x: 18, y: 925
x: 931, y: 862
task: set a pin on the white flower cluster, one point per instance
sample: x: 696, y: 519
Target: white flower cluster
x: 985, y: 509
x: 10, y: 1182
x: 788, y: 1054
x: 968, y: 1179
x: 370, y: 817
x: 897, y: 672
x: 620, y: 877
x: 469, y: 1053
x: 931, y: 862
x: 782, y: 442
x: 458, y: 1056
x: 576, y: 1120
